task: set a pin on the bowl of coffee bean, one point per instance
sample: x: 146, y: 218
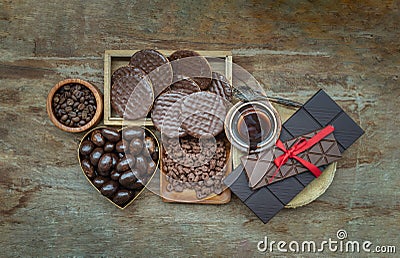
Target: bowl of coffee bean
x: 74, y: 105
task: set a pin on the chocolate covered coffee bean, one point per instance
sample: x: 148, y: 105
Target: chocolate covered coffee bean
x: 119, y: 163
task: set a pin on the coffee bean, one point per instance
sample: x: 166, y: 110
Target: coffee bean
x: 111, y: 134
x: 68, y: 100
x: 109, y: 189
x: 64, y: 117
x: 123, y: 196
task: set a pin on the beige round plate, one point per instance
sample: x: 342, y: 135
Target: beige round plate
x: 312, y: 191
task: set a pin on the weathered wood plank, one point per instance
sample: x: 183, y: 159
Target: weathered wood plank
x: 350, y: 49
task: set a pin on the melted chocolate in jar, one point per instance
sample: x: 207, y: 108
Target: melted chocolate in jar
x: 254, y: 127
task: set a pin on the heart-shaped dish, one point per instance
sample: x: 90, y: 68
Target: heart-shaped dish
x: 119, y: 163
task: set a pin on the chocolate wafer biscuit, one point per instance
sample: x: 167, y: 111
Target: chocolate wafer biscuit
x: 203, y: 124
x: 122, y: 71
x: 220, y: 86
x: 187, y: 86
x: 166, y: 113
x: 203, y: 113
x: 188, y: 63
x: 132, y: 95
x: 156, y: 65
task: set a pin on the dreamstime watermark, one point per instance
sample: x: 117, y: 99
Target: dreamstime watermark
x: 340, y: 244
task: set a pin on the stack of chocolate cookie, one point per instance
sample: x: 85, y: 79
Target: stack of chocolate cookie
x: 135, y: 86
x: 194, y: 106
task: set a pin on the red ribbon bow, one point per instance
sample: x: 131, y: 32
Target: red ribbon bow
x: 301, y: 145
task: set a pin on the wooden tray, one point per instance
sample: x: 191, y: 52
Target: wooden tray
x: 113, y: 59
x: 189, y: 195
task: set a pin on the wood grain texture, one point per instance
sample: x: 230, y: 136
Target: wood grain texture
x: 348, y: 48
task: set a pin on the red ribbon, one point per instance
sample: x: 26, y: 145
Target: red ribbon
x: 301, y: 145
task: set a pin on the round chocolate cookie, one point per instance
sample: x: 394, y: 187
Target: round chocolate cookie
x: 188, y: 63
x: 203, y: 124
x: 156, y: 65
x: 220, y: 86
x: 166, y: 113
x: 132, y: 95
x: 122, y: 71
x: 203, y: 113
x: 187, y: 86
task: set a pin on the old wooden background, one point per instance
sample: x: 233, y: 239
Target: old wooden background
x: 348, y: 48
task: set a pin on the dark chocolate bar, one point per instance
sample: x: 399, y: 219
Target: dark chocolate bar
x: 260, y: 167
x: 319, y: 111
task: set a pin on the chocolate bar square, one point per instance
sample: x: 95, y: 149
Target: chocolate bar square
x: 322, y: 113
x: 238, y: 183
x: 301, y: 123
x: 348, y: 130
x: 264, y: 204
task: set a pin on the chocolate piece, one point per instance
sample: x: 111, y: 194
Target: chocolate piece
x: 128, y: 179
x: 132, y: 95
x: 95, y: 155
x: 322, y: 113
x: 346, y: 128
x: 88, y: 168
x: 123, y: 196
x: 301, y: 123
x: 203, y: 124
x: 108, y: 189
x: 136, y: 146
x: 203, y: 113
x: 97, y: 138
x: 166, y: 113
x: 238, y: 183
x: 86, y: 148
x: 187, y: 86
x: 141, y: 164
x: 121, y: 146
x: 105, y: 164
x: 220, y: 86
x: 99, y: 181
x: 156, y: 65
x: 286, y: 190
x: 110, y: 161
x: 194, y: 165
x: 108, y: 147
x: 187, y: 63
x: 115, y: 175
x: 125, y: 163
x: 264, y: 204
x: 122, y: 72
x: 111, y: 134
x: 260, y: 167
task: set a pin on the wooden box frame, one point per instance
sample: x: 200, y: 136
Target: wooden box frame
x: 114, y: 59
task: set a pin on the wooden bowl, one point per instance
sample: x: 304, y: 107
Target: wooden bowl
x: 99, y: 106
